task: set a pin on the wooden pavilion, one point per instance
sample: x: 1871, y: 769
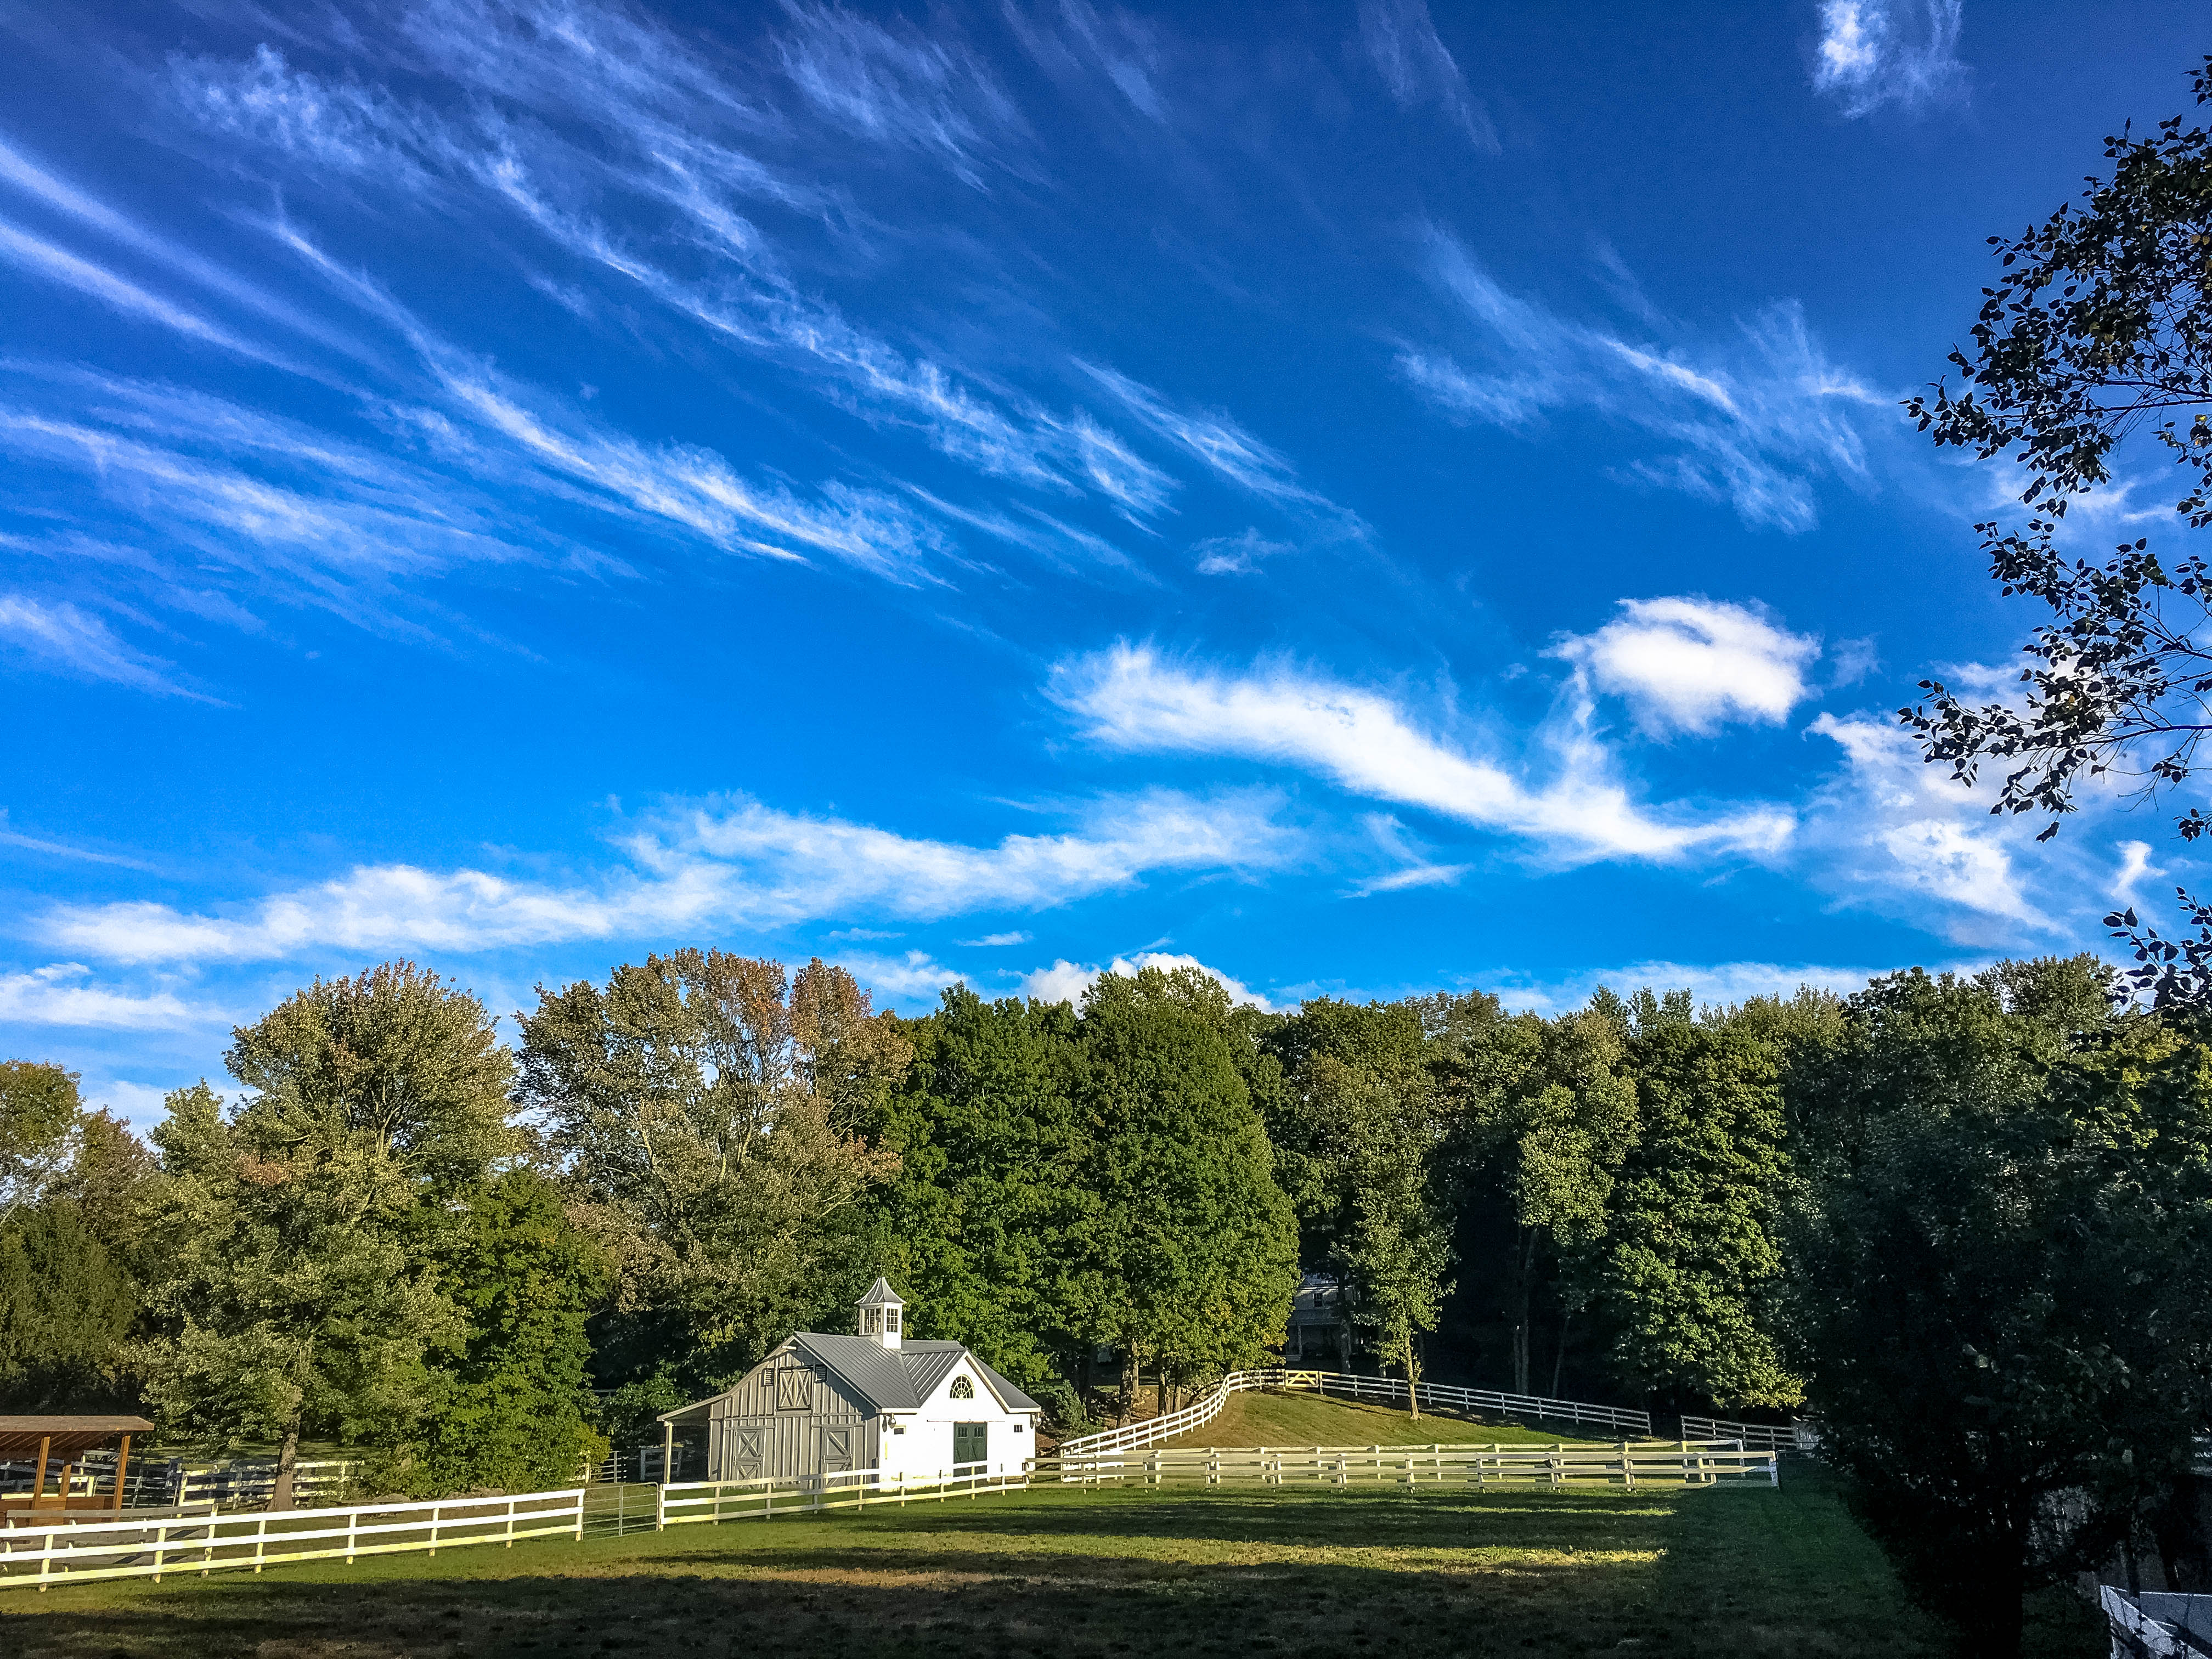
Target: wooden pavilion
x: 40, y: 1440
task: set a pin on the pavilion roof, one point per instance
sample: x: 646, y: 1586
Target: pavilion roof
x: 21, y: 1437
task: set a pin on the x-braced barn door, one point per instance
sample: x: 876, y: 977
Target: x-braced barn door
x: 837, y: 1450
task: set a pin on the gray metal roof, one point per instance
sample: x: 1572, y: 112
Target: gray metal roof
x: 887, y: 1379
x: 879, y: 1293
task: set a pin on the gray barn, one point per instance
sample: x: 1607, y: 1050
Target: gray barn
x: 827, y: 1405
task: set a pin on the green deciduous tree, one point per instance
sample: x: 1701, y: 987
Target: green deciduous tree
x: 525, y: 1279
x: 38, y: 1114
x: 1545, y: 1113
x: 718, y: 1118
x: 1192, y: 1258
x: 1688, y: 1270
x: 986, y: 1217
x: 290, y: 1307
x: 302, y: 1231
x: 1359, y: 1129
x: 1996, y: 1293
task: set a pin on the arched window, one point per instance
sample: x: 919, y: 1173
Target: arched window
x: 963, y: 1388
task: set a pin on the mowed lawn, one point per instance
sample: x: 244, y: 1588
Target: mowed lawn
x: 1307, y: 1420
x: 1189, y: 1571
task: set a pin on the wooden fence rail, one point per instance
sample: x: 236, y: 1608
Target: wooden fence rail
x: 1435, y: 1396
x: 691, y: 1501
x: 1661, y: 1462
x: 147, y: 1548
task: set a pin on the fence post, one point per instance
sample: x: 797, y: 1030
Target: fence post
x: 353, y: 1521
x: 160, y: 1543
x: 434, y: 1529
x: 510, y: 1525
x: 260, y: 1542
x: 660, y: 1507
x: 580, y: 1517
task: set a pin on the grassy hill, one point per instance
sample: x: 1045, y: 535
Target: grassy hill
x: 1307, y: 1420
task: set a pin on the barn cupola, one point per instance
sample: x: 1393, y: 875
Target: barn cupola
x: 880, y: 1310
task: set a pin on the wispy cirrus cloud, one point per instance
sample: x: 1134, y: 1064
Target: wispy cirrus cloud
x: 60, y: 636
x: 1131, y: 698
x: 679, y: 158
x: 897, y: 86
x: 1693, y: 663
x: 720, y: 863
x: 1402, y: 41
x: 1752, y: 424
x: 1874, y: 53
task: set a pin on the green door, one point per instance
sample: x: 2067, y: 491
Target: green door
x: 971, y: 1444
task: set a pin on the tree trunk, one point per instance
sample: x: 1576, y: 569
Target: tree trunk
x: 1412, y: 1378
x: 1525, y: 1290
x: 1560, y: 1359
x: 287, y: 1461
x: 1133, y: 1378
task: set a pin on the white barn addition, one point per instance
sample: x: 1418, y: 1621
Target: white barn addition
x: 827, y: 1405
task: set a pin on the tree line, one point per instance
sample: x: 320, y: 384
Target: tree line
x: 1965, y: 1222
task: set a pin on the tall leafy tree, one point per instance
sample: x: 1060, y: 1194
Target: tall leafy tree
x: 1192, y: 1259
x: 720, y: 1122
x: 291, y: 1307
x: 1545, y: 1113
x: 1358, y: 1127
x: 39, y: 1113
x: 987, y: 1214
x: 302, y: 1229
x: 1991, y: 1355
x: 1691, y: 1257
x: 524, y: 1279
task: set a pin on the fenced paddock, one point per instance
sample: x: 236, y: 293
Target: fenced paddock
x: 1672, y: 1463
x: 78, y: 1553
x: 1381, y: 1391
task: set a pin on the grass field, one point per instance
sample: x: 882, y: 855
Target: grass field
x: 1308, y: 1419
x: 1082, y: 1574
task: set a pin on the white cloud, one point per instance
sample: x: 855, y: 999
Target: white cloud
x: 1892, y: 832
x: 1130, y: 699
x: 1066, y: 982
x: 914, y: 977
x: 994, y: 941
x: 716, y: 864
x: 1235, y: 454
x: 28, y: 252
x: 1753, y: 422
x: 2134, y: 866
x: 1874, y: 53
x: 902, y: 90
x: 1401, y: 39
x: 61, y: 635
x: 142, y: 1105
x: 1240, y: 555
x: 59, y: 995
x: 1715, y: 983
x: 1690, y: 664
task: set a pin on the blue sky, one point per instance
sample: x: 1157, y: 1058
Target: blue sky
x: 1365, y: 497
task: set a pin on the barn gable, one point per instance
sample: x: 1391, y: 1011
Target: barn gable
x: 821, y: 1404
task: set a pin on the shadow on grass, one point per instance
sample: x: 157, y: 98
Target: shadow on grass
x: 1194, y: 1575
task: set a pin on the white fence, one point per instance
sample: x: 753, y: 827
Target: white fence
x: 81, y: 1552
x: 2151, y: 1625
x: 694, y: 1501
x: 1755, y: 1436
x: 1662, y: 1462
x: 1346, y: 1385
x: 169, y: 1482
